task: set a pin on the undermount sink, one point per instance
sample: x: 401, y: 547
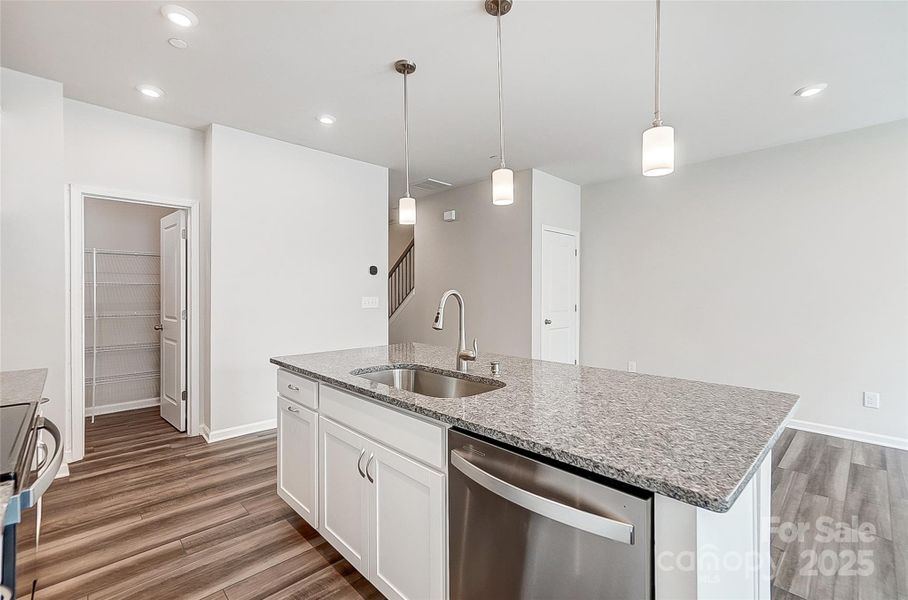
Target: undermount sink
x: 429, y: 383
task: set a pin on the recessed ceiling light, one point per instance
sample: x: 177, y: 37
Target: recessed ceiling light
x: 178, y: 43
x: 811, y: 90
x: 180, y: 16
x: 150, y: 90
x: 327, y: 120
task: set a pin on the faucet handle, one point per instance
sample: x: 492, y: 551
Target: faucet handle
x: 469, y: 354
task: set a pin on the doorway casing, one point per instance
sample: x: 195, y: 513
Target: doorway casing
x: 75, y: 308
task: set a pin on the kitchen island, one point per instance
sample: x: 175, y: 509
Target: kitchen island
x: 700, y: 449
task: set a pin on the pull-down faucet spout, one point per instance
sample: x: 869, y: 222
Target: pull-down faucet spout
x: 464, y: 356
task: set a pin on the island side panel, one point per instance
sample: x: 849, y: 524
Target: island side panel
x: 705, y: 555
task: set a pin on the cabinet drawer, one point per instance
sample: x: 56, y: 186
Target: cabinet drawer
x: 409, y: 434
x: 297, y: 388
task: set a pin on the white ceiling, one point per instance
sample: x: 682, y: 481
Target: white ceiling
x: 578, y: 75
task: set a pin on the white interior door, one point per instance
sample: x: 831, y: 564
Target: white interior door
x: 173, y: 319
x: 560, y: 284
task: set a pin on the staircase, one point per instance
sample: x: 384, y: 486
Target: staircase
x: 401, y: 279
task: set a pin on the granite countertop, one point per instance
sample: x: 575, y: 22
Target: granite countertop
x: 22, y: 386
x: 697, y: 442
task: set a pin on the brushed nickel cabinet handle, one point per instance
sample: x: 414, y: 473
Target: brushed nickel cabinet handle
x: 548, y: 321
x: 293, y: 410
x: 359, y: 463
x: 368, y: 476
x: 290, y: 386
x: 158, y: 327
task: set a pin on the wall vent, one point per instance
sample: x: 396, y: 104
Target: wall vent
x: 431, y: 185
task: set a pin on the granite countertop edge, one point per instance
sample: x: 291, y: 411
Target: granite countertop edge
x: 719, y: 504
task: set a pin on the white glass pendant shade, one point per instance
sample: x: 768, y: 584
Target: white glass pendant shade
x: 406, y: 211
x: 502, y: 187
x: 658, y: 151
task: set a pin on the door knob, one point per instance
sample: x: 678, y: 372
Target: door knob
x: 548, y: 321
x: 158, y: 327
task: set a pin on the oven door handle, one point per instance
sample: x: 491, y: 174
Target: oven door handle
x: 568, y: 515
x: 29, y: 497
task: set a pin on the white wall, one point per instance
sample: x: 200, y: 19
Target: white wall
x: 111, y: 149
x: 784, y: 269
x: 32, y: 233
x: 485, y: 254
x: 123, y: 226
x: 556, y: 203
x: 293, y: 234
x: 47, y: 142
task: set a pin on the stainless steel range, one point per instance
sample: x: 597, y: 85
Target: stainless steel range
x: 27, y: 468
x: 520, y: 528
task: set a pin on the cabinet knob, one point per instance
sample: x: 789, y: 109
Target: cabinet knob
x: 158, y: 327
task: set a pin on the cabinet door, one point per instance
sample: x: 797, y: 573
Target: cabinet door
x: 297, y: 458
x: 343, y: 492
x: 407, y: 549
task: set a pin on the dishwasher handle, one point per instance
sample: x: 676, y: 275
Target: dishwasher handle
x: 568, y: 515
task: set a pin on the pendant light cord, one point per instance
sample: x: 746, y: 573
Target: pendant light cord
x: 500, y: 94
x: 406, y: 136
x: 657, y: 109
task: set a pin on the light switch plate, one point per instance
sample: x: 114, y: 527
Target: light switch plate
x: 370, y: 301
x: 871, y: 399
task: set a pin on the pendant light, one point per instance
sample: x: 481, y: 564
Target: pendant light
x: 502, y: 177
x: 406, y: 206
x: 658, y: 140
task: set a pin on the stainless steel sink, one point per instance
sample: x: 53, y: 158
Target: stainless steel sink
x: 428, y: 383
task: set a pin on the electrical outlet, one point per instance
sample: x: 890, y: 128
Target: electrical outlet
x: 370, y: 301
x: 632, y: 366
x: 871, y: 399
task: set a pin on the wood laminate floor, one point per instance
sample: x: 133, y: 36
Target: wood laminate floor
x: 819, y: 480
x: 152, y: 513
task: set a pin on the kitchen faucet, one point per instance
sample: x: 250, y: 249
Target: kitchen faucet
x: 464, y: 356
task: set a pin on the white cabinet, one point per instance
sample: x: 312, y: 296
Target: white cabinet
x: 345, y: 515
x: 297, y: 458
x: 371, y: 480
x: 407, y: 523
x: 384, y: 513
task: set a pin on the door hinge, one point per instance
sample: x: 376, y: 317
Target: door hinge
x: 183, y: 233
x: 183, y: 396
x: 575, y: 308
x: 183, y: 314
x: 575, y: 251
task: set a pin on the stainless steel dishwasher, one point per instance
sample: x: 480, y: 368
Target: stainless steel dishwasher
x: 520, y: 528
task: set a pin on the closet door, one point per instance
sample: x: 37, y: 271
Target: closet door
x: 173, y: 319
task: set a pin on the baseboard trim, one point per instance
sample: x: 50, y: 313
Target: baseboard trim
x: 63, y: 471
x: 850, y: 434
x: 232, y: 432
x: 121, y: 406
